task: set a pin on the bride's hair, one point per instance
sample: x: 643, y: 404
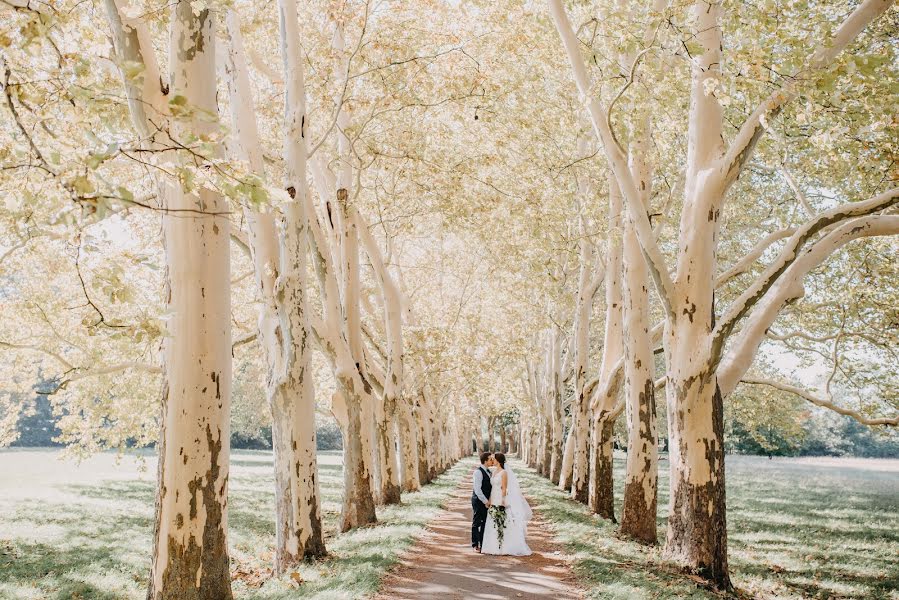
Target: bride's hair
x: 500, y: 458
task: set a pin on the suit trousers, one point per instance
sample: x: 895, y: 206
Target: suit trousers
x: 478, y: 521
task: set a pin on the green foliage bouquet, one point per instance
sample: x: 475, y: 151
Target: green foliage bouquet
x: 498, y: 514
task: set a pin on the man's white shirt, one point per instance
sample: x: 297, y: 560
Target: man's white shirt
x: 478, y: 480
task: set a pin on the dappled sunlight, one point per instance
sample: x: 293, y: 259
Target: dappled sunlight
x: 93, y: 539
x: 793, y: 532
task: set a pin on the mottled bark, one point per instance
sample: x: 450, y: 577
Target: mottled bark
x: 697, y: 524
x: 567, y: 461
x: 424, y: 439
x: 638, y: 514
x: 408, y: 447
x: 389, y: 481
x: 601, y: 498
x: 358, y: 500
x: 546, y: 447
x: 555, y: 398
x: 190, y: 557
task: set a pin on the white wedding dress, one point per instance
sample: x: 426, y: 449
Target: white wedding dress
x: 518, y: 513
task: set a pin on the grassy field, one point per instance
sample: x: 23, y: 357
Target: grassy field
x: 798, y: 528
x: 70, y: 531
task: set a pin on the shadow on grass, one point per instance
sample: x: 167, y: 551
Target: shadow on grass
x: 94, y: 541
x: 358, y: 559
x: 794, y: 532
x: 81, y: 551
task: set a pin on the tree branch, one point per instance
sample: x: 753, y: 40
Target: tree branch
x: 743, y: 265
x: 789, y: 287
x: 805, y: 394
x: 789, y: 254
x: 617, y: 160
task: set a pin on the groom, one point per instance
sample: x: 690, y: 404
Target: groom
x: 480, y: 499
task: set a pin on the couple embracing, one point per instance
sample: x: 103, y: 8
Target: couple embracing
x: 501, y: 513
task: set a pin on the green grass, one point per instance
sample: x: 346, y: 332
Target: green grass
x: 83, y: 531
x: 798, y: 528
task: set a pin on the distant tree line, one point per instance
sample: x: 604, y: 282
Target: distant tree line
x: 817, y: 434
x: 37, y: 428
x: 821, y: 434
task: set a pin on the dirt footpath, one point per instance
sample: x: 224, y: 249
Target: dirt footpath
x: 442, y: 564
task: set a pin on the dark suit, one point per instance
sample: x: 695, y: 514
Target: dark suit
x: 479, y: 518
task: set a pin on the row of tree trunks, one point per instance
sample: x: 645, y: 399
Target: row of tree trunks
x: 190, y: 554
x: 499, y: 437
x: 694, y: 342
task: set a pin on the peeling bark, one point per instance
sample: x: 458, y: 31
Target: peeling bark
x: 697, y: 527
x: 601, y: 499
x: 554, y: 383
x: 638, y: 514
x: 190, y: 558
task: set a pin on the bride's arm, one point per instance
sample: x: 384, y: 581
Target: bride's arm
x: 505, y: 479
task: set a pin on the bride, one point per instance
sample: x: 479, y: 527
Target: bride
x: 506, y: 504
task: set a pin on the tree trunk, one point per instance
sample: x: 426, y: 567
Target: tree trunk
x: 601, y: 498
x: 190, y: 556
x: 390, y: 483
x: 602, y: 493
x: 546, y: 447
x: 386, y: 407
x: 697, y: 525
x: 555, y: 391
x: 568, y: 461
x: 697, y: 522
x: 436, y: 444
x: 408, y: 447
x: 279, y: 260
x: 638, y: 514
x: 580, y: 420
x: 424, y: 439
x: 491, y: 435
x: 481, y: 435
x: 358, y: 500
x: 296, y: 394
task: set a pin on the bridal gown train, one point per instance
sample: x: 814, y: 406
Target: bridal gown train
x: 517, y: 516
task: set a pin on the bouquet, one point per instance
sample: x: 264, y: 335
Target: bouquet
x: 498, y: 513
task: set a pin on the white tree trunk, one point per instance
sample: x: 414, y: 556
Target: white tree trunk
x: 408, y: 435
x: 580, y: 409
x: 353, y: 389
x: 280, y: 269
x: 638, y: 514
x: 425, y: 437
x: 554, y: 389
x: 386, y: 409
x: 567, y: 468
x: 190, y: 557
x: 601, y: 498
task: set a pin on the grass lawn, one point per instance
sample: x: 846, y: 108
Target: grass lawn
x: 797, y: 528
x: 82, y: 531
